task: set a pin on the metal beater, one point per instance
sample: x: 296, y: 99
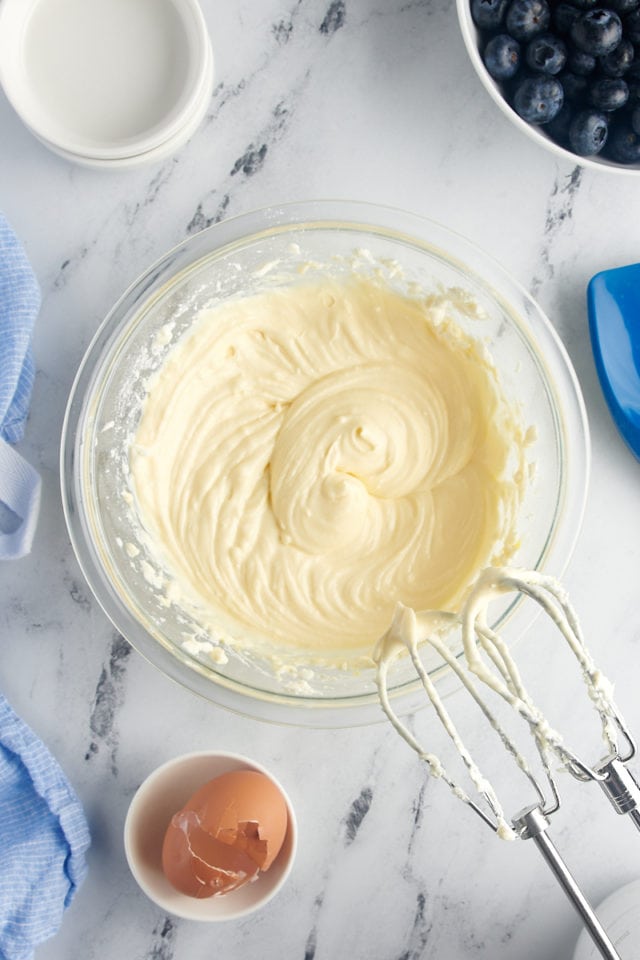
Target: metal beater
x: 487, y: 659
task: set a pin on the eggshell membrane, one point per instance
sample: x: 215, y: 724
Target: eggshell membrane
x: 231, y: 828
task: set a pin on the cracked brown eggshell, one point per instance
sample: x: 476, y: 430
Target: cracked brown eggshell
x: 232, y: 828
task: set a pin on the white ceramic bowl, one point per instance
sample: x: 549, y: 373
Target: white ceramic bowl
x: 157, y: 154
x: 161, y: 795
x: 471, y: 39
x: 229, y: 259
x: 104, y: 81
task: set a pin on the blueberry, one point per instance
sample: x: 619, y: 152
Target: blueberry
x: 632, y: 26
x: 546, y: 54
x: 623, y: 6
x: 597, y: 31
x: 585, y: 4
x: 634, y: 119
x: 588, y: 133
x: 608, y: 94
x: 538, y: 99
x: 574, y: 86
x: 623, y: 144
x: 502, y: 56
x: 564, y: 16
x: 488, y: 14
x: 634, y: 94
x: 558, y: 126
x: 581, y: 63
x: 617, y: 61
x: 526, y: 18
x: 633, y: 73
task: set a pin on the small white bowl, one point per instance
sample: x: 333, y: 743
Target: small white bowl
x: 159, y: 153
x: 104, y: 81
x: 164, y: 792
x: 471, y: 38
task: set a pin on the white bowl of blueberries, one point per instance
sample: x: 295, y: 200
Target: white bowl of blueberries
x: 567, y: 72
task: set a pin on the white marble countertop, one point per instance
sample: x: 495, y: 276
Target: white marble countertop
x: 358, y: 99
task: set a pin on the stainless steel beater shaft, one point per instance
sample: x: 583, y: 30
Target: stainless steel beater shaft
x: 621, y: 787
x: 532, y: 823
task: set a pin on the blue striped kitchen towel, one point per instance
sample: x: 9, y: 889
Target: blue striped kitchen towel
x: 43, y: 839
x: 19, y: 482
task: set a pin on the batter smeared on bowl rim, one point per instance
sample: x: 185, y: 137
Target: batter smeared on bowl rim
x: 312, y: 454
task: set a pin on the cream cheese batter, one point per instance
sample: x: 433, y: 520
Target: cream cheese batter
x: 312, y: 454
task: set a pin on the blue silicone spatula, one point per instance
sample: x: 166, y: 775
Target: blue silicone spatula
x: 613, y: 302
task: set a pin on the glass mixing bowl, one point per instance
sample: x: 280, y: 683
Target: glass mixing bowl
x: 237, y: 257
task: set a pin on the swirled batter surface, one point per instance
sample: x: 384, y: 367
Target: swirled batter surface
x: 311, y: 455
